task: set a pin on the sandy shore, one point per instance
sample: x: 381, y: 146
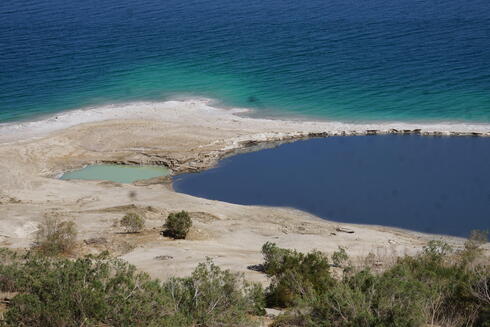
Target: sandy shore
x: 184, y: 136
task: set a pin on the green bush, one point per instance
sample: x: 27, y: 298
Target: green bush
x: 215, y: 297
x: 9, y: 268
x: 363, y: 300
x: 55, y: 237
x: 433, y: 287
x: 294, y: 275
x: 96, y: 291
x: 178, y: 224
x: 436, y: 287
x: 87, y: 291
x: 132, y: 222
x: 339, y: 257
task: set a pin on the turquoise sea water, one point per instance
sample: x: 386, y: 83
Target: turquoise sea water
x: 402, y: 60
x: 116, y: 173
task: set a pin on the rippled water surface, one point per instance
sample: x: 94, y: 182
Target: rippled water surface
x: 342, y: 60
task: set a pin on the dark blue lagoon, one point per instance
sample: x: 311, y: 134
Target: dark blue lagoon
x: 428, y: 184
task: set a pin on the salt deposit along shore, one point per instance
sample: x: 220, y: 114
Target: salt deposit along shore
x: 185, y: 136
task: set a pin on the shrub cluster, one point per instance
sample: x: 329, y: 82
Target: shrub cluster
x: 436, y: 287
x: 100, y: 291
x: 55, y: 237
x: 294, y: 275
x: 178, y: 224
x: 132, y: 222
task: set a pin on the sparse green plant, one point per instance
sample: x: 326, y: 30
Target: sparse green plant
x: 340, y: 257
x: 478, y: 236
x: 132, y: 222
x: 436, y: 249
x: 472, y: 246
x: 178, y: 224
x: 9, y: 268
x: 55, y: 236
x: 481, y: 290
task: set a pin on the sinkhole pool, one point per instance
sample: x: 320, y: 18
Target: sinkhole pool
x: 116, y: 173
x: 430, y: 184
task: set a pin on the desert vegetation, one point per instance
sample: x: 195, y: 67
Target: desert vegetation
x: 439, y: 287
x: 103, y: 291
x: 178, y: 224
x: 132, y: 222
x: 55, y: 236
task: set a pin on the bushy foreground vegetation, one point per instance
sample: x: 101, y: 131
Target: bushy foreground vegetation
x: 436, y: 287
x: 101, y: 291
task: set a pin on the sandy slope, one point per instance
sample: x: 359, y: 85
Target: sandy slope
x: 185, y: 136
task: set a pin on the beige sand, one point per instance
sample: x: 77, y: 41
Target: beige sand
x: 184, y: 136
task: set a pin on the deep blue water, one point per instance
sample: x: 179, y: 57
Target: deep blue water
x: 338, y: 59
x: 428, y: 184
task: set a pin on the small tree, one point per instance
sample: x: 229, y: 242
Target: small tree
x: 178, y: 224
x: 55, y: 237
x: 132, y: 222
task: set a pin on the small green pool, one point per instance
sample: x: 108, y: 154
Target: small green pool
x: 116, y: 173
